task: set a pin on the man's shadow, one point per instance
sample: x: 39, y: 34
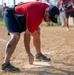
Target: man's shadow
x: 45, y: 71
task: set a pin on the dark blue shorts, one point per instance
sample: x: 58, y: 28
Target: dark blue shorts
x: 71, y: 14
x: 11, y: 22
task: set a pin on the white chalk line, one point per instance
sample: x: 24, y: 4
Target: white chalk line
x: 3, y: 40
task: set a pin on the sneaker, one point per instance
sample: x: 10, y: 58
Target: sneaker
x: 41, y: 57
x: 8, y: 67
x: 67, y: 28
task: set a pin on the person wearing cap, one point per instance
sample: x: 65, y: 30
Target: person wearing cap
x: 22, y: 18
x: 68, y: 9
x: 4, y: 7
x: 62, y: 13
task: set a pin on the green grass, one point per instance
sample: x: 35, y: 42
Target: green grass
x: 1, y: 21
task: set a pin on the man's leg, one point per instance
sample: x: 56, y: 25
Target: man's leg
x: 37, y: 44
x: 36, y: 40
x: 67, y: 24
x: 27, y: 38
x: 67, y: 14
x: 10, y: 47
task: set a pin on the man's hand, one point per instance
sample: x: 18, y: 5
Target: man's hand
x: 31, y: 58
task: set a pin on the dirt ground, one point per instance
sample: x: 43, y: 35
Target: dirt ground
x: 56, y: 42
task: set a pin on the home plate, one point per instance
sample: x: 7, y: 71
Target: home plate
x: 37, y: 64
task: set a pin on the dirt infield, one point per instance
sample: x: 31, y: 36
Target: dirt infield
x: 57, y: 43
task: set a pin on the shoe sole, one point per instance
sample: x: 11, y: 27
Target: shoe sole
x: 42, y: 60
x: 10, y: 71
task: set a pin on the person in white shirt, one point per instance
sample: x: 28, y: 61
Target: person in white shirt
x: 69, y: 10
x: 48, y: 2
x: 62, y: 13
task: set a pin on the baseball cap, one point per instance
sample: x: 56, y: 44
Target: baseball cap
x: 53, y: 13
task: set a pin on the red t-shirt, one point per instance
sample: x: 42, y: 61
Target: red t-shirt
x: 34, y: 12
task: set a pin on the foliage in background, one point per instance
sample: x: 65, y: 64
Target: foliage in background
x: 1, y: 21
x: 45, y: 24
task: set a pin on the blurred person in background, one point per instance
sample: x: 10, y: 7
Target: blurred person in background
x: 62, y: 13
x: 73, y: 9
x: 67, y: 6
x: 3, y: 8
x: 48, y: 2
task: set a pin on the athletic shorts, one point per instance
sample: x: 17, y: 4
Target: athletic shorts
x: 71, y: 14
x: 12, y: 21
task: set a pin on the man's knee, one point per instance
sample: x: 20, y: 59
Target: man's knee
x: 15, y: 36
x: 36, y: 32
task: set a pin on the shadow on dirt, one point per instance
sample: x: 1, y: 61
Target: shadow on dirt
x: 49, y: 70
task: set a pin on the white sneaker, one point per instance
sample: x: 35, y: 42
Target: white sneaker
x: 67, y: 28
